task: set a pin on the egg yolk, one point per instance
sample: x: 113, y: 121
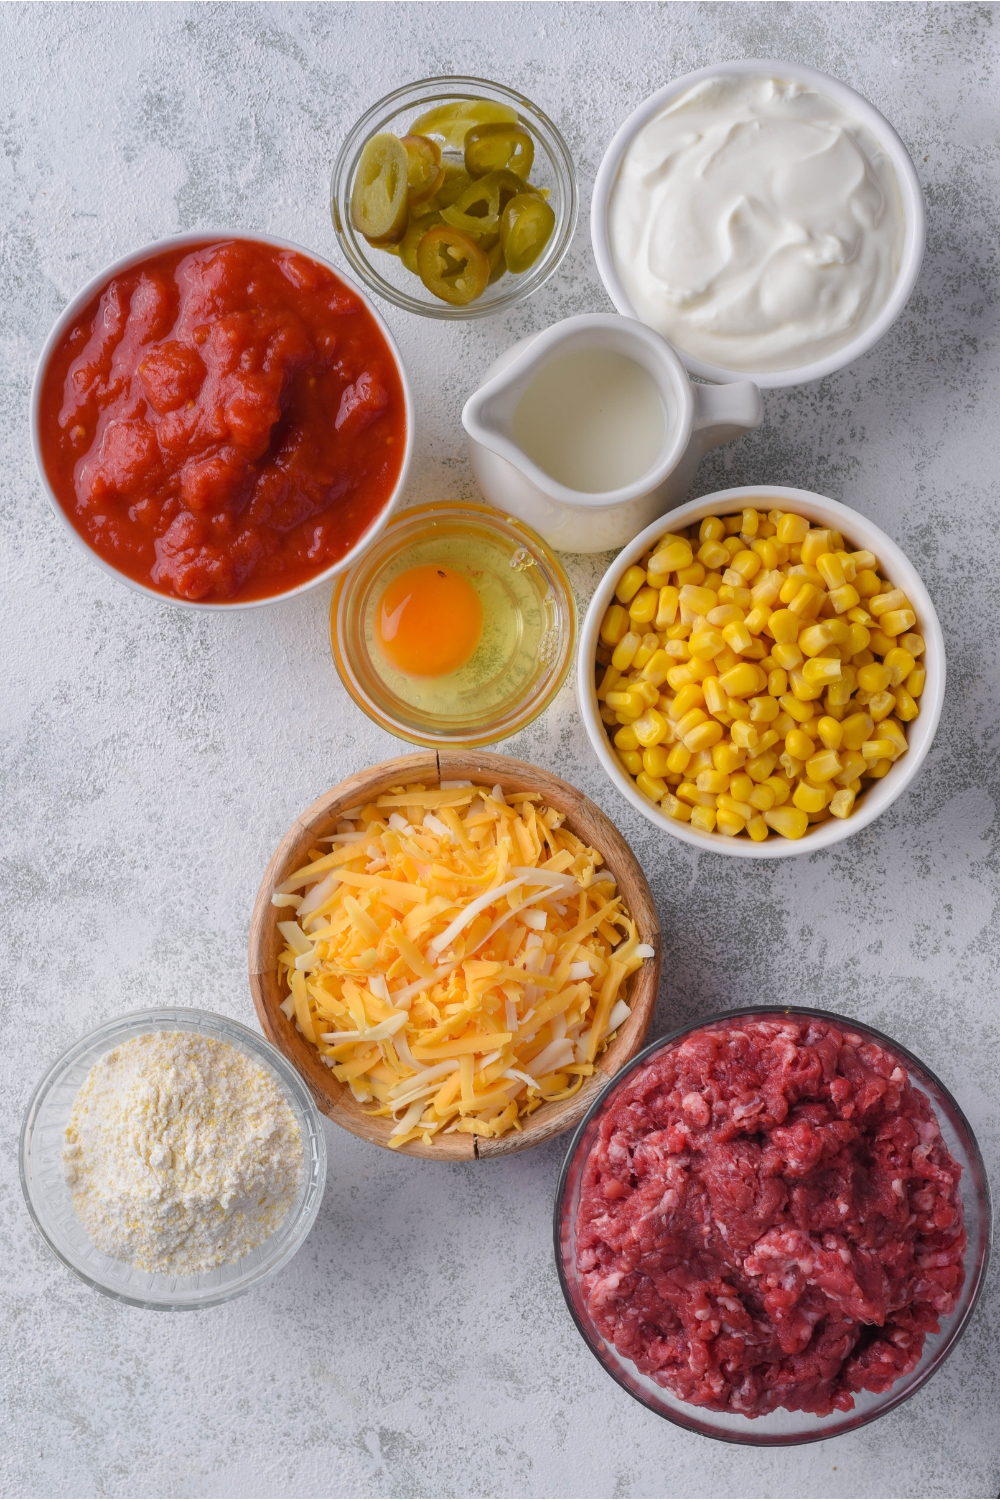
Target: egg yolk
x: 429, y: 621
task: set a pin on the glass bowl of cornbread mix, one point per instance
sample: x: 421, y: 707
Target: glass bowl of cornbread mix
x: 60, y: 1195
x: 456, y: 628
x: 828, y: 724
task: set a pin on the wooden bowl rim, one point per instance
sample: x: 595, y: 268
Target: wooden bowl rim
x: 430, y: 766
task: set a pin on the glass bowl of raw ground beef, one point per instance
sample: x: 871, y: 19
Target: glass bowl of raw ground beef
x: 773, y: 1226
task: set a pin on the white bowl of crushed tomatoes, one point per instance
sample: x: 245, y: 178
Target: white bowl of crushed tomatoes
x: 773, y: 1226
x: 222, y: 420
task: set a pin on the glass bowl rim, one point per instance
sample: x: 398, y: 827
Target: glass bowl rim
x: 257, y: 1047
x: 530, y: 710
x: 446, y: 86
x: 961, y: 1320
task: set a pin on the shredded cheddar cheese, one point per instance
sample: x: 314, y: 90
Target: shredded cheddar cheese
x: 455, y: 959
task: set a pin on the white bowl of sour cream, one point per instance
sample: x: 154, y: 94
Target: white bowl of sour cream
x: 763, y: 218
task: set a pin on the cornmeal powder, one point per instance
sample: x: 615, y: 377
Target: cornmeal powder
x: 181, y: 1153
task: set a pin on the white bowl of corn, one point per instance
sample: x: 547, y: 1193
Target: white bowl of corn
x: 761, y: 672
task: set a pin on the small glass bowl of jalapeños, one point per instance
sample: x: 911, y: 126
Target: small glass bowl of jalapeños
x: 454, y: 197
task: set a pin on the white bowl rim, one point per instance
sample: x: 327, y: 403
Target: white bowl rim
x: 257, y: 1047
x: 877, y: 797
x: 124, y: 263
x: 911, y: 195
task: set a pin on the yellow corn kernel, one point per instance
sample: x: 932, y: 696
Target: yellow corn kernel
x: 855, y: 730
x: 777, y: 682
x: 666, y: 607
x: 915, y: 682
x: 642, y: 610
x: 880, y: 705
x: 854, y: 765
x: 889, y: 729
x: 703, y: 818
x: 621, y: 657
x: 790, y: 586
x: 651, y: 728
x: 716, y: 697
x: 897, y: 622
x: 787, y: 655
x: 746, y: 563
x: 762, y: 764
x: 798, y: 743
x: 763, y: 710
x: 783, y: 626
x: 767, y: 590
x: 879, y: 749
x: 844, y: 598
x: 822, y: 670
x: 858, y: 616
x: 697, y: 599
x: 848, y: 564
x: 806, y: 692
x: 678, y: 760
x: 791, y: 766
x: 712, y: 529
x: 678, y: 651
x: 842, y: 803
x: 766, y: 551
x: 830, y: 732
x: 823, y: 766
x: 712, y: 781
x: 608, y: 714
x: 867, y: 582
x: 675, y: 808
x: 657, y: 668
x: 796, y: 707
x: 688, y: 697
x: 874, y: 677
x: 815, y: 639
x: 713, y: 555
x: 899, y: 664
x: 858, y: 640
x: 680, y: 676
x: 730, y: 823
x: 677, y: 553
x: 625, y: 739
x: 651, y: 786
x: 626, y: 698
x: 689, y: 793
x: 608, y: 682
x: 740, y: 787
x: 880, y: 643
x: 762, y: 797
x: 744, y: 735
x: 810, y: 798
x: 737, y: 636
x: 630, y: 583
x: 646, y: 691
x: 790, y: 822
x: 781, y: 789
x: 724, y: 614
x: 792, y: 529
x: 880, y: 768
x: 749, y: 521
x: 705, y: 644
x: 615, y: 625
x: 736, y: 708
x: 690, y: 576
x: 838, y: 694
x: 815, y: 543
x: 831, y: 569
x: 738, y: 596
x: 655, y: 761
x: 758, y: 618
x: 882, y: 604
x: 727, y: 757
x: 906, y: 707
x: 757, y: 828
x: 913, y: 643
x: 648, y: 645
x: 631, y: 760
x: 703, y: 736
x: 688, y: 720
x: 740, y: 681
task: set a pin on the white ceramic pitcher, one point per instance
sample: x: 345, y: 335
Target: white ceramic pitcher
x: 697, y: 418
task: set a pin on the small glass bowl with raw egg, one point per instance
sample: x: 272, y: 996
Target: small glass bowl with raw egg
x: 456, y: 628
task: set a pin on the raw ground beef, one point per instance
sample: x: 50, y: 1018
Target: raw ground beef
x: 769, y: 1218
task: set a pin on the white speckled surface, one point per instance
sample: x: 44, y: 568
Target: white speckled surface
x: 151, y: 759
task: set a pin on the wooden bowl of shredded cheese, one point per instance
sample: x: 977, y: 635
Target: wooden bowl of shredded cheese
x: 457, y: 950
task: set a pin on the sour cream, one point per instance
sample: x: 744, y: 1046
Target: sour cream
x: 756, y: 224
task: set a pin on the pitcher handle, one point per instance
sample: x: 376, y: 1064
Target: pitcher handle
x: 725, y: 412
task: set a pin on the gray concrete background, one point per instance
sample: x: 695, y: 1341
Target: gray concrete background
x: 152, y: 758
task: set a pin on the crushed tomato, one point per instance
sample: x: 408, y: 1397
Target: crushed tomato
x: 223, y: 421
x: 770, y: 1217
